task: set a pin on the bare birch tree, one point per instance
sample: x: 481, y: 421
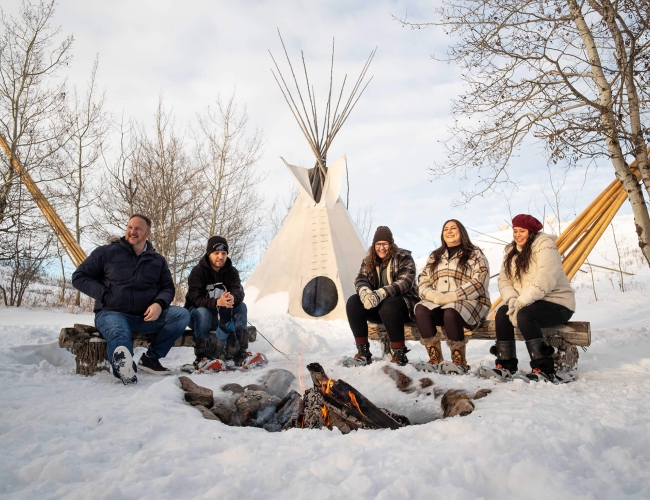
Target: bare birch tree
x: 231, y: 205
x: 32, y: 93
x: 573, y: 74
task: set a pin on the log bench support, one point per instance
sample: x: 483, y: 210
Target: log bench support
x: 88, y: 345
x: 565, y: 338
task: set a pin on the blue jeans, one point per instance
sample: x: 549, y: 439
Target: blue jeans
x: 224, y: 321
x: 116, y: 328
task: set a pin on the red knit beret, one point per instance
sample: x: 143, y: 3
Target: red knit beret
x: 526, y: 221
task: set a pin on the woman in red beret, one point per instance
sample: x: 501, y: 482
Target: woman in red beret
x: 536, y: 294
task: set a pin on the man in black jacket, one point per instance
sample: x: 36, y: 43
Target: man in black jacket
x: 215, y: 301
x: 133, y: 290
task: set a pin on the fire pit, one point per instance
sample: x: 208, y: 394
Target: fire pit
x: 329, y: 403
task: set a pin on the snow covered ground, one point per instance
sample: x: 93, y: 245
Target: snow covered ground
x: 68, y: 436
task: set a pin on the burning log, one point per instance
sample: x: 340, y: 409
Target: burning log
x: 337, y: 404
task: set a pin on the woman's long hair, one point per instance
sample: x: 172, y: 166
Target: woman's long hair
x: 372, y: 260
x: 465, y: 252
x: 523, y: 261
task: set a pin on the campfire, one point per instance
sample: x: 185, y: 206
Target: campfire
x: 329, y: 403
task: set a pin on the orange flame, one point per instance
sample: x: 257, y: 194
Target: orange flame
x: 353, y: 399
x: 327, y: 388
x: 326, y: 416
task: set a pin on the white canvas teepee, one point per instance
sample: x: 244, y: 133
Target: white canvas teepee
x: 317, y: 252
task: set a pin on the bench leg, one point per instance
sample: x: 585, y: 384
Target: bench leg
x: 566, y: 356
x: 91, y: 358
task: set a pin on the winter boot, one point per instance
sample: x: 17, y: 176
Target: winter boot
x: 242, y: 339
x: 505, y: 364
x: 207, y: 348
x: 540, y: 360
x: 364, y: 356
x: 459, y: 364
x: 434, y: 349
x: 399, y: 356
x: 152, y: 365
x: 124, y: 367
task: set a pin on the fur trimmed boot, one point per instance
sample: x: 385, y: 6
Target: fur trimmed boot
x: 506, y: 363
x: 540, y: 360
x: 207, y: 348
x: 458, y: 364
x: 434, y: 349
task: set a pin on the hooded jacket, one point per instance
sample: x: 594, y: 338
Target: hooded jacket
x: 401, y: 279
x: 544, y: 280
x: 204, y: 281
x: 119, y: 280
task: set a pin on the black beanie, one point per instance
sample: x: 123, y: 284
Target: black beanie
x: 383, y: 234
x: 216, y: 243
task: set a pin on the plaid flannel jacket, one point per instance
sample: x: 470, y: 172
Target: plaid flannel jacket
x: 471, y: 285
x: 401, y: 277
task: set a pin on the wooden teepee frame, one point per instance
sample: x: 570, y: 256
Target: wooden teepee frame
x: 72, y: 248
x: 581, y: 236
x: 319, y: 139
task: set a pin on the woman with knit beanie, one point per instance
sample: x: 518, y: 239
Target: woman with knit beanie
x: 386, y: 293
x: 454, y: 289
x: 536, y: 294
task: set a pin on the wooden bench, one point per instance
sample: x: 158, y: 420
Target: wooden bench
x: 88, y: 345
x: 565, y: 338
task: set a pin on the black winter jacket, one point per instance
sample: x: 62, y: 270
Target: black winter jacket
x: 121, y: 281
x: 204, y: 279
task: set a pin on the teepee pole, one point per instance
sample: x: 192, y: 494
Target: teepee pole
x: 72, y: 248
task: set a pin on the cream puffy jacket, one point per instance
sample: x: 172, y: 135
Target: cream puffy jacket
x: 544, y: 280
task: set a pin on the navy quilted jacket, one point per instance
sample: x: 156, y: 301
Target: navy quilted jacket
x: 121, y: 281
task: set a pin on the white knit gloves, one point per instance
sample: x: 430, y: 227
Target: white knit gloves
x: 514, y: 305
x: 371, y: 299
x: 440, y: 297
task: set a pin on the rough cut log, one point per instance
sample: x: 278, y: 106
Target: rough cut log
x: 337, y: 404
x: 89, y: 346
x: 564, y: 337
x: 577, y: 333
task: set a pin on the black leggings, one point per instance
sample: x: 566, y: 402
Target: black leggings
x: 392, y: 312
x: 451, y: 319
x: 531, y: 319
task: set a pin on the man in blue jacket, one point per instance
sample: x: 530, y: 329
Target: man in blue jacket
x: 133, y: 290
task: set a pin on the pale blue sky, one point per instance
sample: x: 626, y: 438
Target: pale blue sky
x: 194, y: 50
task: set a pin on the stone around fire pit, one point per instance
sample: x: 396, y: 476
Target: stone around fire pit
x: 195, y: 394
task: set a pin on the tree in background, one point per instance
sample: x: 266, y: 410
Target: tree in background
x: 32, y: 94
x: 228, y: 154
x: 572, y: 74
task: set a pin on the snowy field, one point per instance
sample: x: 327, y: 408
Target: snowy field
x: 69, y: 436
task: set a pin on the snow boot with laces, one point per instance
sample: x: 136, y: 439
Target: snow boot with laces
x: 363, y: 357
x: 399, y: 356
x: 458, y: 364
x: 505, y: 368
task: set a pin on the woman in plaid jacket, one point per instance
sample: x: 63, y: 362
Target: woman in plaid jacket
x: 386, y: 293
x: 454, y: 288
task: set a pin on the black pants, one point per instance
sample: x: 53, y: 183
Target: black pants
x: 451, y: 319
x: 531, y: 319
x: 392, y: 312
